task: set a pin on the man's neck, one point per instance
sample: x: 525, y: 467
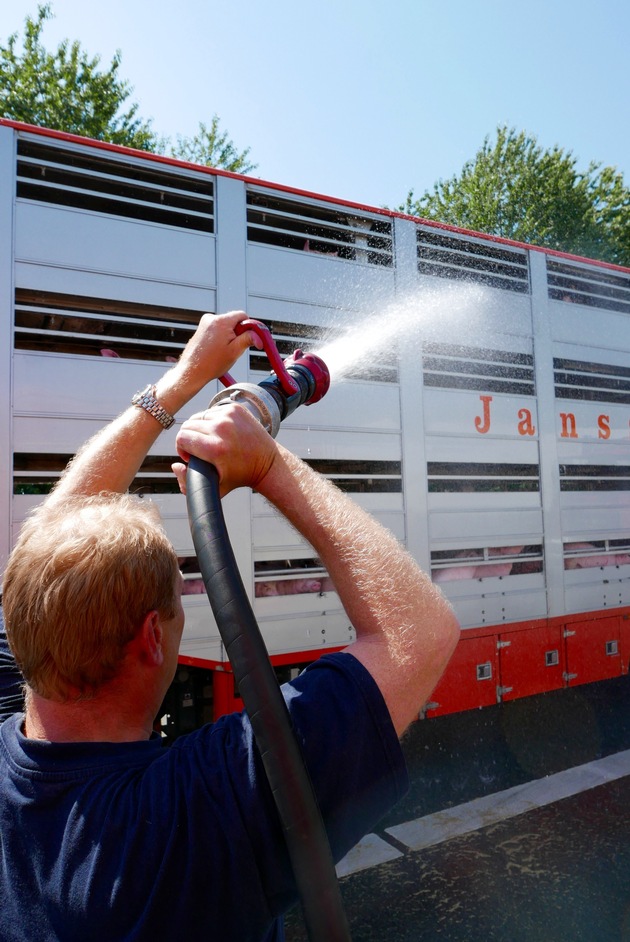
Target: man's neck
x: 102, y: 718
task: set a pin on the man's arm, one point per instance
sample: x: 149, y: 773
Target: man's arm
x: 406, y: 630
x: 110, y: 460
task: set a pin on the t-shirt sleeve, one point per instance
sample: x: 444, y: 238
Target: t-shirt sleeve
x: 349, y: 744
x: 351, y: 751
x: 11, y: 696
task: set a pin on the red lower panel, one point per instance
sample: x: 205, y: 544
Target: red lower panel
x: 532, y: 661
x: 594, y: 649
x: 505, y: 665
x: 225, y: 696
x: 470, y: 679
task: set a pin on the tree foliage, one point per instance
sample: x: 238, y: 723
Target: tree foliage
x: 68, y: 91
x: 213, y: 147
x: 516, y: 189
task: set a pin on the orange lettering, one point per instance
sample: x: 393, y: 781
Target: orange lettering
x: 603, y: 424
x: 569, y: 429
x: 482, y: 423
x: 526, y: 426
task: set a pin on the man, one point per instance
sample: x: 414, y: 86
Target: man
x: 107, y: 835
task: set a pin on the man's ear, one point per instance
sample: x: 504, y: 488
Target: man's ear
x: 151, y: 638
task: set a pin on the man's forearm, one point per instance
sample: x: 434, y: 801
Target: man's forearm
x: 405, y: 628
x: 111, y: 459
x: 360, y: 552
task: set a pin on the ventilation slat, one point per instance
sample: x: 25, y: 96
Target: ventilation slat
x: 38, y: 473
x: 457, y: 367
x: 485, y: 562
x: 324, y: 230
x: 56, y: 323
x: 592, y: 382
x: 100, y: 183
x: 594, y: 478
x: 84, y: 194
x: 592, y: 287
x: 462, y: 258
x: 96, y: 180
x: 471, y: 477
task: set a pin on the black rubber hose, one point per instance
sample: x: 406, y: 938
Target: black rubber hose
x: 304, y: 831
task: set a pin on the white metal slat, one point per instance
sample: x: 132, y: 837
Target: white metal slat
x: 94, y: 243
x: 113, y: 198
x: 113, y: 177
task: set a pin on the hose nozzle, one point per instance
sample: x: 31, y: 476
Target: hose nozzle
x: 301, y: 379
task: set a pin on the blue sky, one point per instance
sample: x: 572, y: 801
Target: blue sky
x: 365, y: 99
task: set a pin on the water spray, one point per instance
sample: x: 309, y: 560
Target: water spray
x: 301, y: 379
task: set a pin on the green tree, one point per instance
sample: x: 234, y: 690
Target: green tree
x: 213, y: 147
x: 66, y: 90
x: 515, y: 189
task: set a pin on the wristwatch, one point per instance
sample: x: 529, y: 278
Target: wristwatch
x: 146, y: 400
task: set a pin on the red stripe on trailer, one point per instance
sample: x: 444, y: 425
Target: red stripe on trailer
x: 309, y: 194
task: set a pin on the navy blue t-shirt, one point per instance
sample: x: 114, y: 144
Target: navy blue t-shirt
x: 135, y: 841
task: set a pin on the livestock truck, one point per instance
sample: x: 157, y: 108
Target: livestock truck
x: 479, y: 404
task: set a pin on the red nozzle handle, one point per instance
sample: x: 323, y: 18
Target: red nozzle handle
x: 288, y: 384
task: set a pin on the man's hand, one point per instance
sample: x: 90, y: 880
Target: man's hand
x: 210, y: 352
x: 230, y: 438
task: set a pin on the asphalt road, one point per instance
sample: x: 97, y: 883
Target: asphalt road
x: 516, y: 827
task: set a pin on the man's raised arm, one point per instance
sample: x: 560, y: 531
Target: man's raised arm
x: 406, y: 630
x: 110, y: 460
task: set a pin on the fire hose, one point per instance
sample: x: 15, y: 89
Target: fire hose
x: 302, y: 379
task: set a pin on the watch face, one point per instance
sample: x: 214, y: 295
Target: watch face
x: 140, y: 395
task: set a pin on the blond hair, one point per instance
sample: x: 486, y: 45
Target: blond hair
x: 82, y: 577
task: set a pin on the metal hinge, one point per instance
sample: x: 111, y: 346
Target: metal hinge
x: 569, y: 676
x: 501, y: 691
x: 568, y: 633
x: 428, y: 706
x: 503, y: 644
